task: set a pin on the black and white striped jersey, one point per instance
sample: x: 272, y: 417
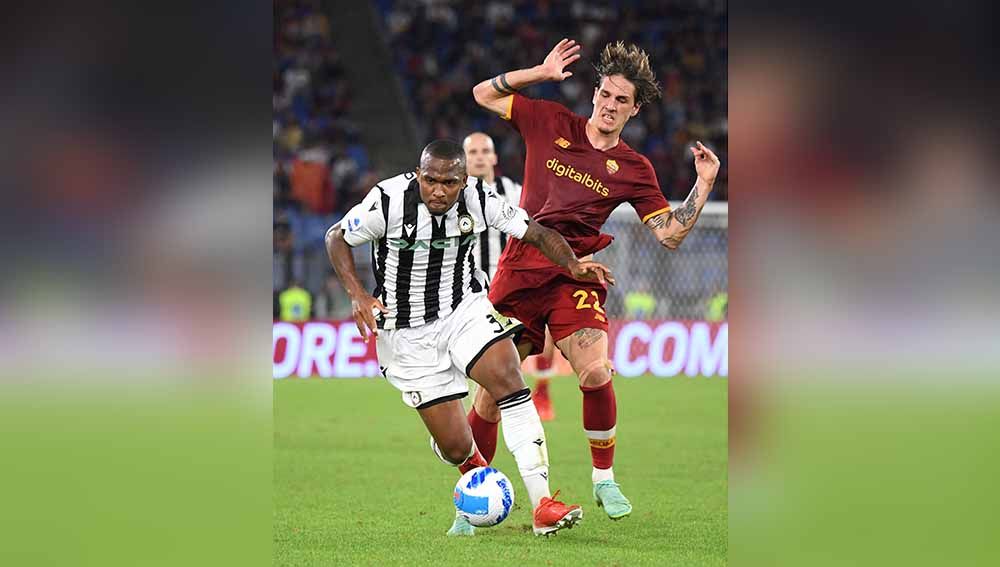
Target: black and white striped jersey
x: 425, y: 264
x: 490, y: 245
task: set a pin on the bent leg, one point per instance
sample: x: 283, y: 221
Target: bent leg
x: 587, y: 351
x: 452, y: 442
x: 451, y: 436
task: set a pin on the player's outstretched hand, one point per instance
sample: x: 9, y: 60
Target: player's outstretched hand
x: 564, y: 53
x: 591, y: 271
x: 706, y: 163
x: 363, y: 310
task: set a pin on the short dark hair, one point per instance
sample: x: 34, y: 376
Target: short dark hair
x: 631, y: 62
x: 444, y: 149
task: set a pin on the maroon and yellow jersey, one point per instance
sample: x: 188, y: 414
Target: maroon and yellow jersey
x: 571, y: 187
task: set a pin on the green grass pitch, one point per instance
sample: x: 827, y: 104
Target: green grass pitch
x: 355, y: 481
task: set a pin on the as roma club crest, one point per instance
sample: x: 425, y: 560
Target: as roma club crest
x: 612, y: 166
x: 466, y: 224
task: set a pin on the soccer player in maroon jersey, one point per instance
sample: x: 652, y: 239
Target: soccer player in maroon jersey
x: 578, y: 170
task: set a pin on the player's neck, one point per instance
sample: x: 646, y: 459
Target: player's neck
x: 490, y: 179
x: 599, y: 140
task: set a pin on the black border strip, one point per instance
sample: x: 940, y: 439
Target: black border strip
x: 515, y: 399
x: 515, y: 329
x: 442, y: 400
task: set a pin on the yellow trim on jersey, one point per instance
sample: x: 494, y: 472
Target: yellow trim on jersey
x: 510, y: 107
x: 654, y: 213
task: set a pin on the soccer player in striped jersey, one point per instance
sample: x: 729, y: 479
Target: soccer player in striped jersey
x: 432, y: 321
x: 481, y: 158
x: 577, y: 170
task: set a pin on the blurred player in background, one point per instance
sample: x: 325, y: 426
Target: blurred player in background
x: 433, y: 323
x: 578, y: 170
x: 481, y: 159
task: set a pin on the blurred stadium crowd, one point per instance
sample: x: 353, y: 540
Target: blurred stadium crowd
x: 441, y: 49
x: 321, y: 165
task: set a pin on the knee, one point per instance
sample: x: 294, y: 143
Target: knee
x: 454, y: 451
x: 595, y: 374
x: 458, y: 454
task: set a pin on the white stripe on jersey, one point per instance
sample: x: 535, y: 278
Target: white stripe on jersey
x: 426, y: 264
x: 490, y: 246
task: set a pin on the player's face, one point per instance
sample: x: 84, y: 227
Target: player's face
x: 441, y: 181
x: 479, y: 155
x: 614, y: 104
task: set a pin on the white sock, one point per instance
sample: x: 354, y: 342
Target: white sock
x: 525, y: 438
x: 602, y: 474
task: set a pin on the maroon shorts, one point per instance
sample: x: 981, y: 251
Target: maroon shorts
x: 548, y: 297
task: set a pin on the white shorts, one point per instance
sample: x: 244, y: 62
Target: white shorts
x: 430, y: 363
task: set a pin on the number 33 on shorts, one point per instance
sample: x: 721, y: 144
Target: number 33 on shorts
x: 582, y: 297
x: 503, y: 323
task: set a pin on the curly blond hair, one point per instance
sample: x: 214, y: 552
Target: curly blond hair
x: 631, y: 62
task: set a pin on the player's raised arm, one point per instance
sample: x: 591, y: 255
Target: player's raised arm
x: 495, y: 94
x: 671, y: 227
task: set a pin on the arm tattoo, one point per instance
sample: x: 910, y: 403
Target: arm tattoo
x: 671, y: 235
x: 659, y: 221
x: 550, y: 243
x: 503, y: 88
x: 506, y: 85
x: 690, y: 209
x: 587, y: 337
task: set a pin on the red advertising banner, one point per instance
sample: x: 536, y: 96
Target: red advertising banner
x: 334, y: 349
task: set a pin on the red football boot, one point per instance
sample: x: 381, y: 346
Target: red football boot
x: 552, y: 515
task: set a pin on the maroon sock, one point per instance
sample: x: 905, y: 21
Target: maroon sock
x: 485, y: 434
x: 474, y: 461
x: 599, y: 420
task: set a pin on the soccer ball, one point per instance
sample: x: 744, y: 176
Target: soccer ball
x: 484, y: 496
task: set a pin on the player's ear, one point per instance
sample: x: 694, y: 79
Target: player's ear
x: 635, y: 109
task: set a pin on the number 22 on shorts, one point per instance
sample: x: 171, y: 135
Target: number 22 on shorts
x: 582, y: 295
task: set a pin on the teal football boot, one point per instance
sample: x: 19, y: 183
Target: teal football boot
x: 609, y: 496
x: 461, y: 527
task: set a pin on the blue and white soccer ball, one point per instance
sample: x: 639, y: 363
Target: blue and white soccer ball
x: 484, y: 496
